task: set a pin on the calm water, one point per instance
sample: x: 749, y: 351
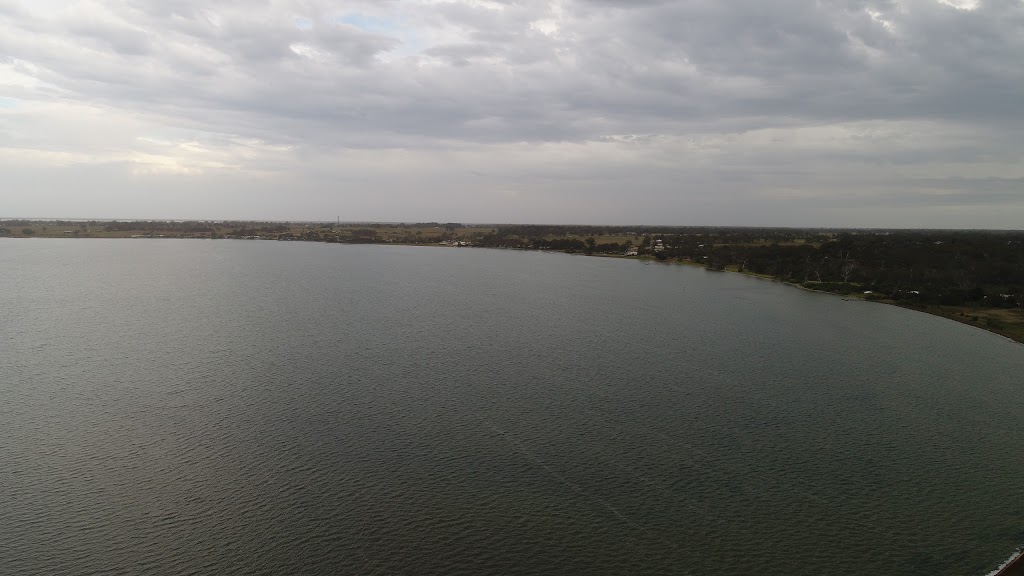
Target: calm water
x: 232, y: 407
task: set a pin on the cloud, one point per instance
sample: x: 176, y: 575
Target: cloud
x: 703, y: 106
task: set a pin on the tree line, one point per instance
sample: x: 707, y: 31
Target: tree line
x: 984, y: 268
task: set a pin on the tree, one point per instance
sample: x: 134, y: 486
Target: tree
x: 847, y: 267
x: 28, y: 231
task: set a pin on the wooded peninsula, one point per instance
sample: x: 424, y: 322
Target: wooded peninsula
x: 971, y: 276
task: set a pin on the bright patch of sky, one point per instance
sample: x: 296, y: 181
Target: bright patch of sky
x: 962, y: 4
x: 395, y: 27
x: 880, y: 18
x: 386, y: 26
x: 546, y: 26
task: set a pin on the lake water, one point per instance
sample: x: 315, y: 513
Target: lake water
x: 233, y: 407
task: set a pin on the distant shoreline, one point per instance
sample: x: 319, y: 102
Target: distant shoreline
x: 1003, y: 321
x: 957, y: 314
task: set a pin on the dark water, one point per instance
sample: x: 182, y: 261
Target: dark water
x: 223, y: 407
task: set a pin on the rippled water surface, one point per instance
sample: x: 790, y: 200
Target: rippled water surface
x: 232, y: 407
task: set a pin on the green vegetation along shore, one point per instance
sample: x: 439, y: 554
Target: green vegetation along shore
x: 974, y: 277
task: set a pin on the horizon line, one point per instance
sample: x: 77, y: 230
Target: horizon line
x: 481, y: 224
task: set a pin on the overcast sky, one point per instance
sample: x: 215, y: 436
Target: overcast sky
x: 887, y: 113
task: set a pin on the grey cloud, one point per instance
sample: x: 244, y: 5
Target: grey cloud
x: 668, y: 64
x: 967, y: 191
x: 831, y: 60
x: 454, y: 75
